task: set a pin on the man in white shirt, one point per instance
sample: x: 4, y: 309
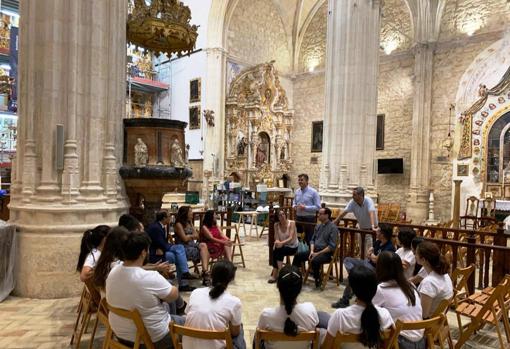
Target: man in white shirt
x: 129, y: 287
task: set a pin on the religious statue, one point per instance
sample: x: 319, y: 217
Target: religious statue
x: 261, y: 155
x: 282, y: 153
x: 506, y: 173
x: 186, y: 155
x: 209, y: 117
x: 483, y: 91
x: 141, y: 153
x: 176, y: 158
x: 241, y: 144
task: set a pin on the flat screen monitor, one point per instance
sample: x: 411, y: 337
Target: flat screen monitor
x: 390, y: 166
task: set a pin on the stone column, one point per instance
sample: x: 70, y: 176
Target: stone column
x: 426, y: 19
x: 214, y: 142
x: 351, y: 99
x: 72, y: 72
x: 456, y: 204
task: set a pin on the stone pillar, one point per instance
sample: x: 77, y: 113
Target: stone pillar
x: 426, y: 19
x: 351, y: 99
x: 214, y: 142
x: 72, y: 72
x: 456, y: 204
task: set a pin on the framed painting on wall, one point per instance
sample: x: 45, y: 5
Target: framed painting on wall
x: 495, y: 189
x: 195, y: 90
x: 462, y: 170
x: 194, y: 117
x: 316, y: 136
x: 507, y: 191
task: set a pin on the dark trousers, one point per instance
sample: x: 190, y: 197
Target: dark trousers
x: 306, y: 228
x: 280, y: 253
x: 316, y: 263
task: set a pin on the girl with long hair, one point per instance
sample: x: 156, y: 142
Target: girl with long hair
x: 187, y: 235
x: 214, y: 308
x: 218, y: 243
x: 363, y: 317
x: 290, y: 317
x: 285, y: 244
x: 110, y: 256
x: 437, y: 285
x: 396, y: 294
x: 92, y: 243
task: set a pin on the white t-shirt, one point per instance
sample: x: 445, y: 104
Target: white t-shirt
x: 407, y: 255
x: 389, y: 296
x: 135, y: 288
x: 422, y: 273
x: 348, y: 320
x: 304, y: 315
x: 210, y: 314
x: 92, y: 258
x: 437, y: 287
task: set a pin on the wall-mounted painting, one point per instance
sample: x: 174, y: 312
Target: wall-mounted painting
x: 495, y: 190
x: 316, y: 136
x: 462, y: 170
x: 194, y: 117
x: 195, y: 90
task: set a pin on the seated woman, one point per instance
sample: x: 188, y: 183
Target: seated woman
x: 437, y: 285
x: 405, y: 251
x: 213, y: 308
x: 186, y: 235
x: 290, y: 317
x: 363, y: 317
x: 285, y: 244
x: 92, y: 243
x: 217, y: 243
x: 396, y: 294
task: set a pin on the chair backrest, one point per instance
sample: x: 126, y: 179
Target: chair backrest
x: 273, y: 336
x: 472, y: 203
x: 355, y: 338
x: 432, y: 328
x: 142, y: 336
x: 177, y: 331
x: 460, y: 278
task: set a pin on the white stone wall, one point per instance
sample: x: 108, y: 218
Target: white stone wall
x: 256, y: 35
x: 313, y: 46
x: 395, y: 101
x: 396, y: 26
x: 309, y: 107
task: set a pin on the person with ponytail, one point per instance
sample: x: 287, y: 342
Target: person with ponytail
x: 437, y: 285
x: 214, y: 308
x: 111, y: 255
x: 396, y: 294
x: 290, y: 317
x: 363, y: 317
x: 92, y: 243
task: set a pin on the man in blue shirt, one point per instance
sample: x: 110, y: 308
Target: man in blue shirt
x: 306, y: 203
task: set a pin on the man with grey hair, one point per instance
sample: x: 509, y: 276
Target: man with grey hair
x: 363, y: 209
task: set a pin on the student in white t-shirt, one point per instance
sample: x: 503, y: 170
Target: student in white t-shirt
x: 129, y: 286
x: 405, y: 252
x: 419, y: 272
x: 290, y: 317
x: 348, y: 320
x: 92, y: 243
x: 437, y: 285
x: 396, y: 294
x: 213, y: 308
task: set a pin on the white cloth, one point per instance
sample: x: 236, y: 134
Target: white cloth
x: 389, y: 296
x: 348, y: 320
x: 92, y: 258
x: 437, y: 287
x: 205, y: 313
x: 407, y: 255
x: 273, y: 319
x: 135, y: 288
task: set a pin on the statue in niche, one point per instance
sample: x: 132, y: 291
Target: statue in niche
x: 176, y: 158
x: 186, y: 156
x: 141, y: 153
x: 241, y: 144
x: 261, y: 153
x: 282, y: 153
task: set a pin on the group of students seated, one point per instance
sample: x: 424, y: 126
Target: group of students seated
x: 117, y: 262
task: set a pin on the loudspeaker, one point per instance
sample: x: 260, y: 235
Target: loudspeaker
x: 59, y: 151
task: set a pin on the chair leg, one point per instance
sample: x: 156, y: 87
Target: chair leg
x: 84, y: 325
x: 78, y: 317
x: 94, y: 329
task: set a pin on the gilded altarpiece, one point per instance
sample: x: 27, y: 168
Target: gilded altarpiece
x: 258, y: 127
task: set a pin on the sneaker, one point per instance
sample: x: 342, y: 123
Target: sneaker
x: 271, y: 281
x: 186, y: 288
x: 341, y: 303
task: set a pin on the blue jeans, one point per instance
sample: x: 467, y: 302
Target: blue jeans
x: 349, y: 264
x: 177, y: 255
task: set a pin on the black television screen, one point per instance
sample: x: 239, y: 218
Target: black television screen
x: 390, y: 165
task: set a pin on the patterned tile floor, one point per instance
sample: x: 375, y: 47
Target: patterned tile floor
x: 44, y: 324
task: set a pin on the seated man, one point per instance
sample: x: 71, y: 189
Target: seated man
x: 382, y: 243
x: 161, y: 249
x: 129, y: 286
x: 322, y: 245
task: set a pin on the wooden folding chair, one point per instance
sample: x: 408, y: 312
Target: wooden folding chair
x: 492, y: 311
x: 432, y: 329
x: 236, y: 243
x: 90, y: 303
x: 333, y: 264
x: 342, y: 338
x: 460, y: 277
x: 177, y: 332
x: 273, y: 336
x: 442, y: 309
x: 142, y: 336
